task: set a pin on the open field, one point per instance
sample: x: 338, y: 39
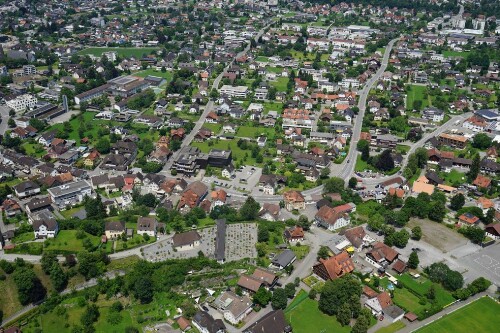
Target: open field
x: 238, y: 153
x: 254, y: 132
x: 137, y: 52
x: 361, y: 165
x: 307, y: 318
x: 479, y: 316
x: 455, y: 54
x: 438, y: 235
x: 67, y: 241
x: 280, y: 84
x: 416, y: 94
x: 167, y: 75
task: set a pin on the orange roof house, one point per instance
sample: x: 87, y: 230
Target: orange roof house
x: 467, y: 219
x: 482, y: 181
x: 334, y: 267
x: 295, y: 233
x: 294, y: 200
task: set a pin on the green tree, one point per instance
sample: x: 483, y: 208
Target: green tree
x: 58, y: 277
x: 363, y: 146
x: 250, y: 209
x: 262, y: 296
x: 337, y: 292
x: 323, y: 252
x: 413, y: 260
x: 437, y: 211
x: 29, y: 287
x: 481, y: 141
x: 48, y: 259
x: 143, y: 290
x: 103, y: 146
x: 334, y: 185
x: 353, y: 182
x: 279, y: 300
x: 290, y: 290
x: 416, y: 233
x: 344, y: 314
x: 385, y: 162
x: 474, y: 169
x: 457, y: 201
x: 90, y: 315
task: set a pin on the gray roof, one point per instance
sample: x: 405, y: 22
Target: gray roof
x: 69, y: 188
x: 284, y: 258
x: 220, y: 240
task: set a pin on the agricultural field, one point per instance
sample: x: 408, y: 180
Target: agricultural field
x: 137, y: 52
x: 479, y: 316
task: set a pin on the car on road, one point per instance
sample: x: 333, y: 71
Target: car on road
x: 204, y: 308
x: 416, y: 249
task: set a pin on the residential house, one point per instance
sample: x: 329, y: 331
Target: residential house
x: 294, y: 200
x: 45, y: 228
x: 294, y: 234
x: 192, y: 196
x: 234, y: 308
x: 467, y: 219
x: 381, y: 254
x: 270, y: 212
x: 205, y: 323
x: 358, y: 238
x: 26, y: 189
x: 331, y: 219
x: 147, y: 226
x: 11, y: 208
x: 334, y: 267
x: 114, y: 230
x: 218, y: 198
x: 273, y: 322
x: 284, y: 259
x: 70, y: 193
x: 493, y: 231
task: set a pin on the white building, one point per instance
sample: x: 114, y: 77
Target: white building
x: 71, y: 193
x: 45, y: 228
x: 238, y: 91
x: 146, y: 226
x: 22, y: 102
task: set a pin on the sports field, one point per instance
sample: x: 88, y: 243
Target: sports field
x: 482, y: 316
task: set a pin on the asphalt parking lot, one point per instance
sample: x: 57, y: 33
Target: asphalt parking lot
x: 485, y: 262
x: 246, y: 179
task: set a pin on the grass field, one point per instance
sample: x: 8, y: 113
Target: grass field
x: 272, y: 106
x: 136, y: 241
x: 262, y: 59
x: 455, y: 54
x: 280, y: 84
x: 238, y: 153
x: 254, y: 132
x: 405, y: 299
x: 66, y: 241
x: 422, y: 285
x: 137, y: 52
x: 454, y: 177
x: 307, y: 318
x: 394, y: 327
x: 361, y: 165
x: 167, y: 75
x: 213, y: 127
x: 416, y: 94
x: 479, y: 316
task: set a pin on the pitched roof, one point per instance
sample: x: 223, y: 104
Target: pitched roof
x: 293, y: 196
x: 328, y: 215
x: 50, y: 224
x: 273, y: 322
x: 382, y: 251
x: 468, y: 218
x: 250, y: 283
x: 294, y: 232
x: 115, y: 226
x: 146, y: 224
x: 482, y: 181
x: 185, y: 238
x: 265, y: 276
x: 355, y: 236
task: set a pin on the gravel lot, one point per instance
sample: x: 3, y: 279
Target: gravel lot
x: 438, y: 235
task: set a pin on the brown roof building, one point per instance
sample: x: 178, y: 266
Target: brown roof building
x: 381, y: 252
x: 334, y: 267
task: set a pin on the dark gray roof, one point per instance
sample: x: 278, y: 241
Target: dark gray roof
x: 205, y: 320
x: 220, y: 240
x: 185, y: 238
x: 284, y: 258
x: 51, y: 224
x: 273, y: 322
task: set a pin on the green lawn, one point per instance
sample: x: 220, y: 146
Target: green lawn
x: 137, y: 52
x: 422, y: 285
x: 455, y: 54
x: 238, y: 153
x: 66, y: 241
x: 454, y: 177
x: 361, y: 165
x: 307, y: 318
x: 300, y: 251
x: 262, y: 59
x: 280, y: 84
x: 406, y: 300
x: 479, y: 316
x: 213, y: 127
x: 403, y: 149
x: 416, y: 94
x: 272, y: 106
x: 137, y: 240
x: 68, y: 213
x: 34, y: 149
x: 35, y: 248
x: 394, y: 327
x: 167, y: 75
x: 25, y: 237
x: 254, y: 132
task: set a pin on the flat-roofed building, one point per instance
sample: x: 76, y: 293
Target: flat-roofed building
x: 71, y: 193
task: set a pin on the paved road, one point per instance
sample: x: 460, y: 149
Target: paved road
x: 208, y: 108
x: 4, y: 114
x: 347, y: 167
